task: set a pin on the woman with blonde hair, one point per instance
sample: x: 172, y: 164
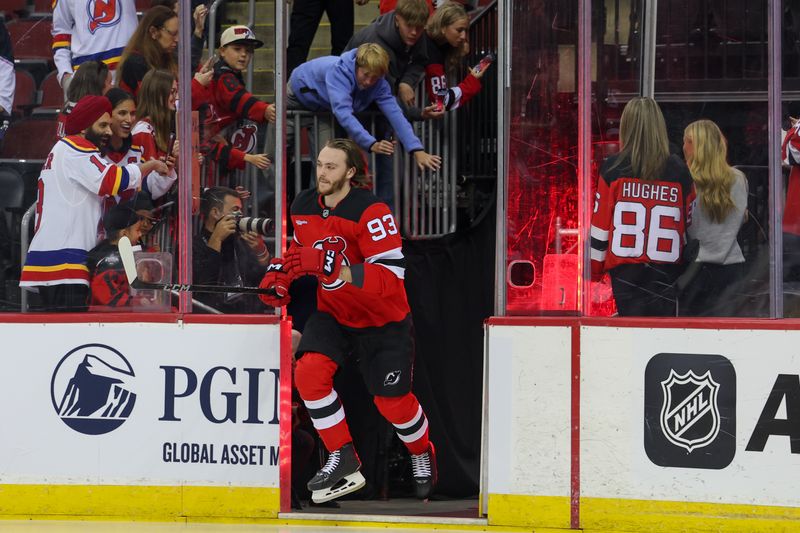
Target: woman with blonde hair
x: 641, y: 211
x: 718, y: 215
x: 447, y: 33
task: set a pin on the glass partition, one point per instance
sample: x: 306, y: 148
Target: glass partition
x: 543, y: 196
x: 93, y: 188
x: 710, y: 62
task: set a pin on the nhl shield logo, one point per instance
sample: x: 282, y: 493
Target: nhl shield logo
x: 690, y: 415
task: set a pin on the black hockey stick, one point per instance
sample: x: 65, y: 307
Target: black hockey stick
x: 129, y: 264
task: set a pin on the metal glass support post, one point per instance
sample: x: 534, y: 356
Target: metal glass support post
x: 251, y: 20
x: 212, y: 25
x: 774, y: 89
x: 647, y: 73
x: 280, y: 130
x: 504, y: 10
x: 585, y: 151
x: 184, y: 135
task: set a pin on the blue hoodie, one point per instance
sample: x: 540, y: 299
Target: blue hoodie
x: 329, y: 84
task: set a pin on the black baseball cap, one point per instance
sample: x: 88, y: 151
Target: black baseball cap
x: 119, y: 217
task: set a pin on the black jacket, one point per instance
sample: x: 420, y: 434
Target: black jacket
x: 233, y: 265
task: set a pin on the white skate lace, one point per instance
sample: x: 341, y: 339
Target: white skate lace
x: 333, y: 462
x: 421, y: 465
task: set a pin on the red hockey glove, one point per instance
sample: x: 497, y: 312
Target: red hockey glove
x: 324, y: 264
x: 276, y: 278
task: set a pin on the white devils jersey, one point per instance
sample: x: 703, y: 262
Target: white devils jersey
x: 91, y: 30
x: 154, y: 183
x: 73, y: 182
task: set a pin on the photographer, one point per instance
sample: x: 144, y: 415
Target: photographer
x: 225, y: 255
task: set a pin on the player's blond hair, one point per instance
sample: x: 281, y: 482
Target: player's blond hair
x: 372, y: 58
x: 713, y: 176
x: 414, y: 12
x: 643, y: 136
x: 354, y: 158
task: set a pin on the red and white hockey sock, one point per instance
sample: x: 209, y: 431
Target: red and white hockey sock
x: 409, y: 420
x: 314, y: 380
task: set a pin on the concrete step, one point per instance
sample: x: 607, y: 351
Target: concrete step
x: 265, y: 12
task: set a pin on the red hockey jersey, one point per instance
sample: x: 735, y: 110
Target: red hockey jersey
x: 637, y: 221
x: 363, y: 230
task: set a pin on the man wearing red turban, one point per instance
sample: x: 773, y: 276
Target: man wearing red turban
x: 74, y: 180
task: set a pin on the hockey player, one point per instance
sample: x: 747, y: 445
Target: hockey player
x: 73, y: 182
x: 85, y: 30
x: 348, y: 239
x: 642, y: 208
x: 790, y: 156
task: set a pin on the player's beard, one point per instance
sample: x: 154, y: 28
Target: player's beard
x: 98, y: 139
x: 333, y: 187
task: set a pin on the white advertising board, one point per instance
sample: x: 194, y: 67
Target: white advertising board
x: 140, y: 404
x: 528, y: 410
x: 696, y: 415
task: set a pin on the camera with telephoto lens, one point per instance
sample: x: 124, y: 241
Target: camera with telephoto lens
x: 260, y: 225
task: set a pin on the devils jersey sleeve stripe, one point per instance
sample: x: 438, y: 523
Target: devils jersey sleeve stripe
x: 393, y: 260
x: 61, y: 40
x: 115, y: 180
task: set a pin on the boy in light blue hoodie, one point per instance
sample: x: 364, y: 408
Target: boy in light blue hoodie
x: 349, y: 84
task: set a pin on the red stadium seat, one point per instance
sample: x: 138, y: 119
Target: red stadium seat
x: 29, y: 140
x: 25, y: 92
x: 14, y: 5
x: 31, y: 39
x: 142, y: 5
x: 52, y: 94
x: 43, y: 6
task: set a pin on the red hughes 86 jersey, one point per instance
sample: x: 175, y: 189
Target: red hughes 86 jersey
x: 363, y: 230
x: 637, y: 221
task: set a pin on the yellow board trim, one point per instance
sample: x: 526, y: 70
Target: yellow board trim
x: 529, y: 511
x: 99, y: 502
x: 648, y: 515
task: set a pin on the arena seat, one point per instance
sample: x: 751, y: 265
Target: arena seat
x: 15, y: 5
x: 31, y: 40
x: 142, y: 5
x: 24, y: 93
x: 29, y: 140
x: 12, y: 188
x: 52, y: 95
x: 43, y: 7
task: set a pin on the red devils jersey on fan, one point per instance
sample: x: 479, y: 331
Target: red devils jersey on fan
x: 637, y: 221
x: 363, y: 230
x: 790, y: 154
x: 231, y: 100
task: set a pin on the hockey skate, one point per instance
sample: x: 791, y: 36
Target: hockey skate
x: 338, y: 477
x: 423, y: 467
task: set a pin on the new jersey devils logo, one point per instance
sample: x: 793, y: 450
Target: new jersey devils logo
x: 103, y: 13
x: 338, y: 245
x: 244, y: 138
